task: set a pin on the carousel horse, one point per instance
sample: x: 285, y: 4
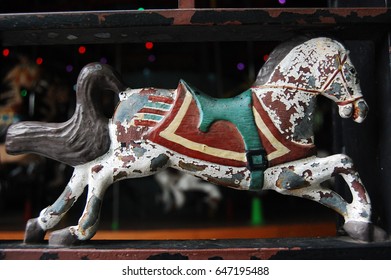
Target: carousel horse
x: 261, y: 139
x: 29, y: 92
x: 174, y: 185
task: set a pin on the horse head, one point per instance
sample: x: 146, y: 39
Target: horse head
x: 315, y: 66
x: 343, y: 86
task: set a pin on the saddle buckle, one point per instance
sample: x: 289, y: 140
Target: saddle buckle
x: 256, y: 160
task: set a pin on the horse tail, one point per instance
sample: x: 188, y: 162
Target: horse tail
x: 81, y: 139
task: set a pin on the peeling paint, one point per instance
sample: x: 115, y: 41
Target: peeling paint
x: 120, y: 175
x: 183, y: 17
x: 159, y: 162
x: 193, y: 167
x: 229, y: 182
x: 97, y: 168
x: 63, y: 203
x: 290, y: 180
x: 357, y: 186
x: 330, y: 20
x: 334, y: 202
x: 90, y: 218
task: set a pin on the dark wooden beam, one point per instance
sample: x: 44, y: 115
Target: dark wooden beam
x: 191, y: 25
x: 234, y: 249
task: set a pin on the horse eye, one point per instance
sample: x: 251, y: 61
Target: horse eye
x: 352, y: 70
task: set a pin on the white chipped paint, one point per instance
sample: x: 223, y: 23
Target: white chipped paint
x: 316, y: 170
x: 312, y: 68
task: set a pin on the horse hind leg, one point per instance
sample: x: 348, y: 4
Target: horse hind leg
x: 303, y: 179
x: 50, y: 216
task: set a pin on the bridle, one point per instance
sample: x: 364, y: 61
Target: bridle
x: 325, y: 87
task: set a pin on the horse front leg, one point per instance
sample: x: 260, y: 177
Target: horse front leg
x: 303, y: 179
x: 98, y: 181
x: 50, y: 216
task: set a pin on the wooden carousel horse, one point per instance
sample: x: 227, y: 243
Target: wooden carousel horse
x: 174, y: 185
x: 29, y: 92
x: 261, y: 139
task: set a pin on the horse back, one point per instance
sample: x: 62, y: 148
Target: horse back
x: 223, y: 142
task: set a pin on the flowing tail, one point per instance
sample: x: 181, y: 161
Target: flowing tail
x: 84, y: 136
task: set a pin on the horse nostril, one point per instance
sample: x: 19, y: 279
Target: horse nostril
x: 345, y: 111
x: 360, y: 110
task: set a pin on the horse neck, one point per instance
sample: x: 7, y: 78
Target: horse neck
x: 307, y: 67
x: 290, y: 110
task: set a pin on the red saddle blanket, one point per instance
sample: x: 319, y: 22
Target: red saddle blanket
x: 222, y: 144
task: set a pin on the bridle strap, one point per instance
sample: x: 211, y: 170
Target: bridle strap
x: 347, y: 102
x: 335, y: 74
x: 324, y: 88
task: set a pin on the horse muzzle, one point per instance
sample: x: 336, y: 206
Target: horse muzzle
x: 358, y: 110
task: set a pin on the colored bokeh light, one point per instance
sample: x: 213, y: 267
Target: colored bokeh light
x: 240, y: 66
x: 82, y: 50
x: 69, y: 68
x: 282, y: 2
x: 6, y: 52
x: 151, y: 58
x: 23, y: 92
x: 149, y: 45
x: 103, y: 60
x: 39, y: 60
x: 265, y: 57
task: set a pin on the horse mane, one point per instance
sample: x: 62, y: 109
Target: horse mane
x: 276, y: 56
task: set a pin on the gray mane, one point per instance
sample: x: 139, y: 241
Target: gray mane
x: 275, y: 58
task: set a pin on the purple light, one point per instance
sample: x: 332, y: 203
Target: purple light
x: 282, y: 2
x: 103, y: 60
x: 151, y: 58
x: 69, y: 68
x: 240, y: 66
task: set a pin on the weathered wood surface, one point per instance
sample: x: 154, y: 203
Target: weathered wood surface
x: 250, y: 249
x: 191, y: 25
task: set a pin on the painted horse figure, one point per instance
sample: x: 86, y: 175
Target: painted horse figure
x: 261, y: 139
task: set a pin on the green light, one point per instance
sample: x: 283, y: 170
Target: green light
x: 141, y: 9
x: 23, y: 92
x: 256, y: 212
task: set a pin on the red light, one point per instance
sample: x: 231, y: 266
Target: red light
x: 6, y: 52
x: 265, y: 57
x: 39, y: 60
x: 149, y: 45
x: 82, y: 50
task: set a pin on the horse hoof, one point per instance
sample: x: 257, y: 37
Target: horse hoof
x: 365, y: 231
x: 33, y: 232
x: 63, y: 237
